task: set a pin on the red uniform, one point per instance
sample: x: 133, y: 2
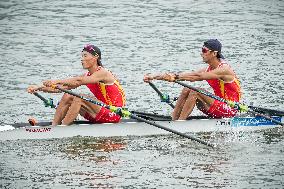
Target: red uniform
x: 227, y: 90
x: 110, y: 94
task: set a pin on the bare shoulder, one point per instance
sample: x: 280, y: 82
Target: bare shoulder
x: 224, y: 69
x: 227, y: 73
x: 104, y: 75
x: 229, y: 69
x: 100, y: 71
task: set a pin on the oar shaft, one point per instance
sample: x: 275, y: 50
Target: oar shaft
x: 84, y: 98
x: 156, y: 89
x: 171, y: 130
x: 160, y: 93
x: 202, y: 92
x: 47, y: 102
x: 267, y: 111
x: 40, y: 97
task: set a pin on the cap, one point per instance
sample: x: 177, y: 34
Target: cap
x: 214, y: 45
x: 94, y: 50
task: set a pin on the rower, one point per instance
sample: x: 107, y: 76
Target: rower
x: 219, y: 75
x: 104, y: 86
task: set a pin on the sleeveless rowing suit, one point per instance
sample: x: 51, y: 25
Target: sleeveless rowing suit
x: 227, y: 90
x: 110, y: 94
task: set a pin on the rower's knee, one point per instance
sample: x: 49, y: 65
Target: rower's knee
x: 66, y: 99
x: 77, y: 101
x: 186, y: 92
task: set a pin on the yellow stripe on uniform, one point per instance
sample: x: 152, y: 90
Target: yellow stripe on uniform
x: 121, y: 92
x: 103, y: 90
x: 107, y: 98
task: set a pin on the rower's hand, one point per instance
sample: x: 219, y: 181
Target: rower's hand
x: 49, y: 83
x: 32, y: 89
x: 147, y: 78
x: 169, y: 77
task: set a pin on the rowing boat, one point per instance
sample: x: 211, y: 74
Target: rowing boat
x: 132, y: 127
x: 141, y: 124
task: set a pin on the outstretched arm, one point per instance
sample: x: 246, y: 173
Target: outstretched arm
x: 102, y: 75
x: 188, y: 76
x: 34, y: 88
x: 224, y: 73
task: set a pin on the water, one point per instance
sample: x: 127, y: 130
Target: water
x: 43, y: 40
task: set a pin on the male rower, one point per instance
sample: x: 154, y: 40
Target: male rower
x: 100, y: 81
x: 219, y: 76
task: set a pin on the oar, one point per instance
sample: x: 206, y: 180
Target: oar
x: 267, y: 110
x: 47, y: 102
x: 125, y: 113
x: 236, y: 105
x: 271, y: 112
x: 164, y: 98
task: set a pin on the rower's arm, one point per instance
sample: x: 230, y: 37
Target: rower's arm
x: 224, y: 73
x: 34, y: 88
x: 48, y: 89
x: 167, y: 77
x: 191, y: 76
x: 74, y: 82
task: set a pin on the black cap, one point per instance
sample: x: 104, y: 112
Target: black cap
x: 214, y: 45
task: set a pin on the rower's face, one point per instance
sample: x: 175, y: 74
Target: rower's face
x: 206, y: 54
x: 88, y: 60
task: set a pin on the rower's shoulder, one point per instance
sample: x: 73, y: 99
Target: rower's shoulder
x: 100, y: 71
x: 225, y: 66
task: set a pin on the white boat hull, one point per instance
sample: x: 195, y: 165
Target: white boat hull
x: 132, y: 128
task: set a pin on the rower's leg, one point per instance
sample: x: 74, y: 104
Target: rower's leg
x: 195, y: 98
x: 188, y: 105
x: 204, y: 103
x: 79, y: 106
x: 62, y: 109
x: 180, y: 103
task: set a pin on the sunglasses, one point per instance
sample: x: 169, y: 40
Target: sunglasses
x: 205, y: 50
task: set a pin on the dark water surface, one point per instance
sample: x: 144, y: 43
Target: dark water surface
x: 43, y: 40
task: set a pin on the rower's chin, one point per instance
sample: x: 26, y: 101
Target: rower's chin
x: 84, y: 66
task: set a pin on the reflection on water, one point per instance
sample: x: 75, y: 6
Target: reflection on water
x: 238, y: 160
x: 93, y: 149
